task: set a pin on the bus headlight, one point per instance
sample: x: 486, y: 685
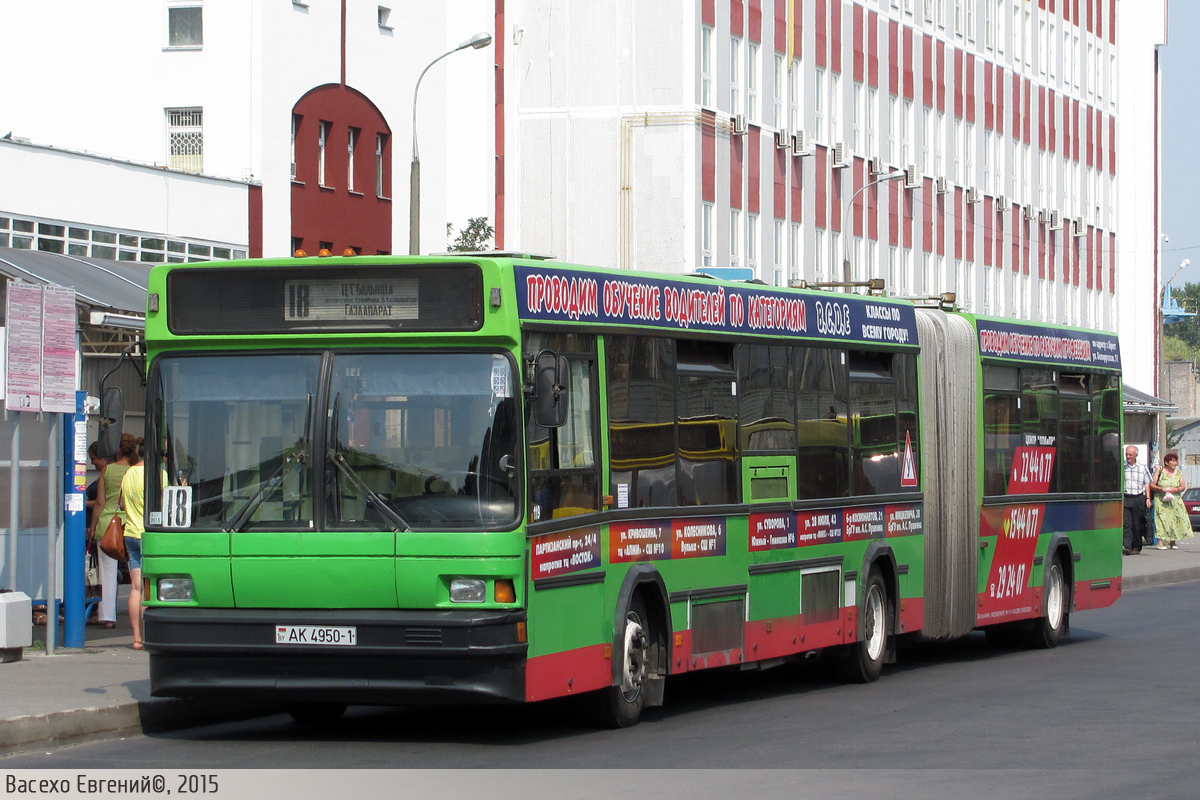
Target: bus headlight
x: 175, y: 590
x: 467, y: 590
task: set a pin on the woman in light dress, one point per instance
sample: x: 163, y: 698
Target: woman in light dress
x: 1170, y: 515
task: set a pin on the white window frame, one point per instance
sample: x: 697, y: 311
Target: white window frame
x: 752, y: 240
x: 735, y: 244
x: 779, y: 81
x: 752, y: 76
x: 185, y: 132
x: 706, y: 66
x: 324, y: 128
x: 735, y: 74
x: 168, y: 13
x: 352, y: 137
x: 706, y: 234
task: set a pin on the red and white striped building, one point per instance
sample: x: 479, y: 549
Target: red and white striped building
x: 762, y: 134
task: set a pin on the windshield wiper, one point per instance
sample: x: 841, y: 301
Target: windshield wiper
x: 271, y: 483
x: 276, y: 480
x: 393, y: 516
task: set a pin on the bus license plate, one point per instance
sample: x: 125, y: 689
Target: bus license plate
x: 316, y: 634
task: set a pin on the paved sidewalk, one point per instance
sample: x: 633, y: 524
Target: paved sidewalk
x: 103, y: 689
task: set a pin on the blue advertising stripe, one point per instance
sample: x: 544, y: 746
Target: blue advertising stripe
x: 1023, y: 342
x: 586, y: 296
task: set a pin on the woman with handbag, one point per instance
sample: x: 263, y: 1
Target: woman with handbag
x: 109, y: 491
x: 1170, y: 515
x: 133, y: 500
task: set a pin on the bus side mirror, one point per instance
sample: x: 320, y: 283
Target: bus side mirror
x: 112, y: 420
x: 551, y: 394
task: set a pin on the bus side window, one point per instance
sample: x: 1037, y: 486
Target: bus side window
x: 1001, y: 426
x: 821, y: 421
x: 564, y: 478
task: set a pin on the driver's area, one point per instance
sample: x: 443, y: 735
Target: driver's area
x: 422, y: 441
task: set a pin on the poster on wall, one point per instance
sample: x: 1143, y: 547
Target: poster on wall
x: 58, y: 350
x: 23, y: 347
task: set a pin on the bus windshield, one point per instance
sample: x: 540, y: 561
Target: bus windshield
x: 422, y: 441
x: 409, y: 441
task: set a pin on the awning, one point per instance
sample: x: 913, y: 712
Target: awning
x: 111, y: 295
x: 1141, y: 403
x: 98, y: 283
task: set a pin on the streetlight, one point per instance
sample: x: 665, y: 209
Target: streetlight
x: 477, y: 41
x: 891, y: 176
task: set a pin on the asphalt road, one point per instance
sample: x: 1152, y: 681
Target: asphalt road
x: 1111, y: 712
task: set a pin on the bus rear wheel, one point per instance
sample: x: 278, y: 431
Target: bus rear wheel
x: 864, y: 661
x: 1056, y: 603
x: 621, y: 706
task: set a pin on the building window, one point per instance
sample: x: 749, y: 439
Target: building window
x: 185, y: 139
x: 185, y: 26
x: 752, y: 240
x: 970, y: 14
x: 383, y: 15
x: 752, y: 81
x: 780, y: 75
x: 735, y: 73
x: 856, y: 114
x: 380, y: 148
x: 735, y: 224
x: 706, y: 244
x: 819, y: 104
x: 351, y: 144
x: 706, y: 62
x: 778, y: 254
x: 295, y: 133
x: 872, y: 105
x: 323, y: 129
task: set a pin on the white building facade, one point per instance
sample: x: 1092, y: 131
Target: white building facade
x: 769, y: 134
x: 177, y: 89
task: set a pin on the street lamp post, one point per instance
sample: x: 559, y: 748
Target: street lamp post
x: 891, y: 176
x: 1161, y: 333
x: 476, y: 42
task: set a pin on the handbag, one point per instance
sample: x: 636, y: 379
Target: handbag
x: 92, y: 570
x: 113, y: 543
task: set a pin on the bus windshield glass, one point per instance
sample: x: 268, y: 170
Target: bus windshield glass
x: 236, y: 431
x: 422, y: 441
x: 411, y: 441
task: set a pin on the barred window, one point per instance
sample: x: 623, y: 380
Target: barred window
x: 185, y: 138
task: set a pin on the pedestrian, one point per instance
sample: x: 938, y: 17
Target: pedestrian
x: 133, y: 495
x: 1137, y: 502
x: 1170, y: 513
x: 94, y: 503
x: 108, y: 493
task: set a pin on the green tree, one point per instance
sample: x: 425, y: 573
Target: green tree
x: 474, y: 238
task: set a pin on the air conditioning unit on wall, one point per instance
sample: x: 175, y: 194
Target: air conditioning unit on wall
x: 802, y: 143
x: 841, y: 155
x: 783, y: 138
x: 943, y: 185
x: 739, y: 125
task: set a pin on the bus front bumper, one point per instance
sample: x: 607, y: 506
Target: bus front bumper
x: 399, y: 656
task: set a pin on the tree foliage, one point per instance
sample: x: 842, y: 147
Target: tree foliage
x: 475, y: 237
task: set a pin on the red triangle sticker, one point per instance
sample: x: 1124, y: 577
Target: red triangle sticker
x: 908, y: 474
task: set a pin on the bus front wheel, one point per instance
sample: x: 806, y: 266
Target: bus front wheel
x: 1056, y: 603
x: 864, y: 661
x: 620, y: 706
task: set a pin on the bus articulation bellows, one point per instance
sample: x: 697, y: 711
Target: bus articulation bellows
x: 388, y: 480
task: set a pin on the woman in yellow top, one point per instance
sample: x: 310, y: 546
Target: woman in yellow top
x: 108, y: 491
x: 133, y: 500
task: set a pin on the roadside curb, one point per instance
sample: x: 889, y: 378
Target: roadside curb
x: 126, y: 719
x: 1161, y: 578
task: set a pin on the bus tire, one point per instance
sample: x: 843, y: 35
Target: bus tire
x: 1056, y: 603
x: 313, y: 713
x: 621, y: 706
x: 863, y: 662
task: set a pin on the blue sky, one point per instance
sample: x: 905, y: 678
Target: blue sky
x: 1180, y: 133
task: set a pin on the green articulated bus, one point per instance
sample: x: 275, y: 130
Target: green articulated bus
x: 496, y: 478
